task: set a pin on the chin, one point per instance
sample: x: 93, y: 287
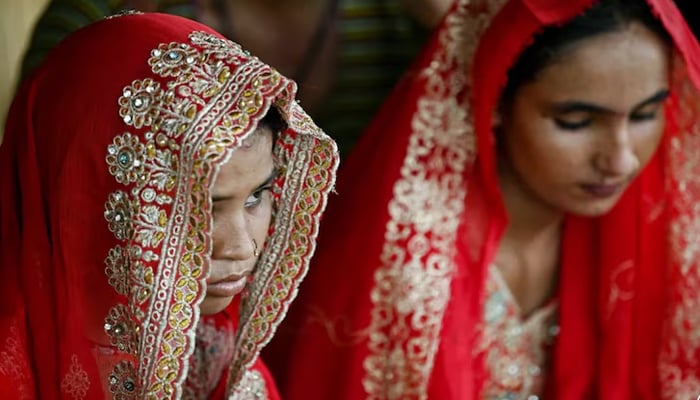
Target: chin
x: 213, y: 305
x: 592, y: 209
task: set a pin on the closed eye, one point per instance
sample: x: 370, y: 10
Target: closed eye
x: 639, y: 117
x: 647, y: 112
x: 572, y: 124
x: 650, y: 108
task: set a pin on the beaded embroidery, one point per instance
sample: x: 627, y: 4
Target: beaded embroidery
x: 252, y: 387
x: 516, y: 349
x: 205, y: 98
x: 211, y: 356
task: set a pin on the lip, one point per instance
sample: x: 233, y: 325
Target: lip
x: 602, y: 191
x: 227, y: 287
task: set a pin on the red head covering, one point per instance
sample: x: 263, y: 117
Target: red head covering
x: 394, y: 306
x: 110, y: 153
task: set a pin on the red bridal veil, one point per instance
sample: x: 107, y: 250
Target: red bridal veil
x: 393, y: 306
x: 110, y: 152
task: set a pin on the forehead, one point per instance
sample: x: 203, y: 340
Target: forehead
x: 259, y: 134
x: 615, y: 68
x: 247, y: 167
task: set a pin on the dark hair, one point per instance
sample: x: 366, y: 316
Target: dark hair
x: 553, y: 42
x: 274, y: 122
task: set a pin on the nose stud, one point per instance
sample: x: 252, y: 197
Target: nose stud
x: 256, y: 250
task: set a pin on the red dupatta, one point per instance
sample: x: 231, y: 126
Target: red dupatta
x: 393, y: 307
x: 110, y: 152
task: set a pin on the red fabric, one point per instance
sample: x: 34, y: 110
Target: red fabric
x: 54, y: 233
x: 624, y: 298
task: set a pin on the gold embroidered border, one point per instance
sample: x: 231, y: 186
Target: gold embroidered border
x: 190, y: 122
x: 679, y: 363
x: 412, y: 284
x: 308, y: 163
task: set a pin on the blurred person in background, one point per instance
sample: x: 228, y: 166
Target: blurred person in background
x: 345, y: 55
x: 520, y: 220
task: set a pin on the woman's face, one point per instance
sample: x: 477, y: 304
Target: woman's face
x: 242, y: 209
x: 582, y: 130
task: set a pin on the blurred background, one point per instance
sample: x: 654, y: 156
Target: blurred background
x: 17, y: 19
x: 346, y: 57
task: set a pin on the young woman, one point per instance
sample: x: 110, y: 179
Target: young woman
x: 160, y: 193
x: 520, y: 221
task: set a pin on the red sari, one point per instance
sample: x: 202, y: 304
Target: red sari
x: 393, y: 308
x: 110, y: 152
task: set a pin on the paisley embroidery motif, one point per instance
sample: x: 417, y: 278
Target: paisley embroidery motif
x: 13, y: 363
x: 76, y: 382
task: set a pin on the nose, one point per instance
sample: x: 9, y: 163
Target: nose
x: 232, y: 238
x: 616, y: 155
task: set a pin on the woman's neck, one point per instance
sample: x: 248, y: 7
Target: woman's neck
x: 529, y: 217
x: 528, y: 254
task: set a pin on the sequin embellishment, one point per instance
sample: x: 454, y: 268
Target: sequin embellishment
x: 178, y: 127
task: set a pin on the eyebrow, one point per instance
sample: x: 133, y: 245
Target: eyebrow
x: 580, y: 106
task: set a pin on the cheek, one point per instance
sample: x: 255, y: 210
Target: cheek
x: 540, y: 152
x: 218, y: 225
x: 648, y: 141
x: 260, y: 219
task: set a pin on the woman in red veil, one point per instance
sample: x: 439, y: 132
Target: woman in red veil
x: 414, y: 294
x: 152, y: 171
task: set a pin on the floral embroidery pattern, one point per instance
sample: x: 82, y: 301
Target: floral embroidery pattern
x: 76, y: 382
x: 122, y: 381
x: 211, y: 356
x: 252, y: 387
x: 516, y: 350
x: 13, y: 364
x: 137, y: 103
x: 118, y: 211
x: 205, y: 98
x: 117, y: 267
x: 173, y: 59
x: 411, y: 287
x: 681, y: 334
x: 125, y: 158
x: 621, y: 286
x: 121, y: 328
x: 161, y: 219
